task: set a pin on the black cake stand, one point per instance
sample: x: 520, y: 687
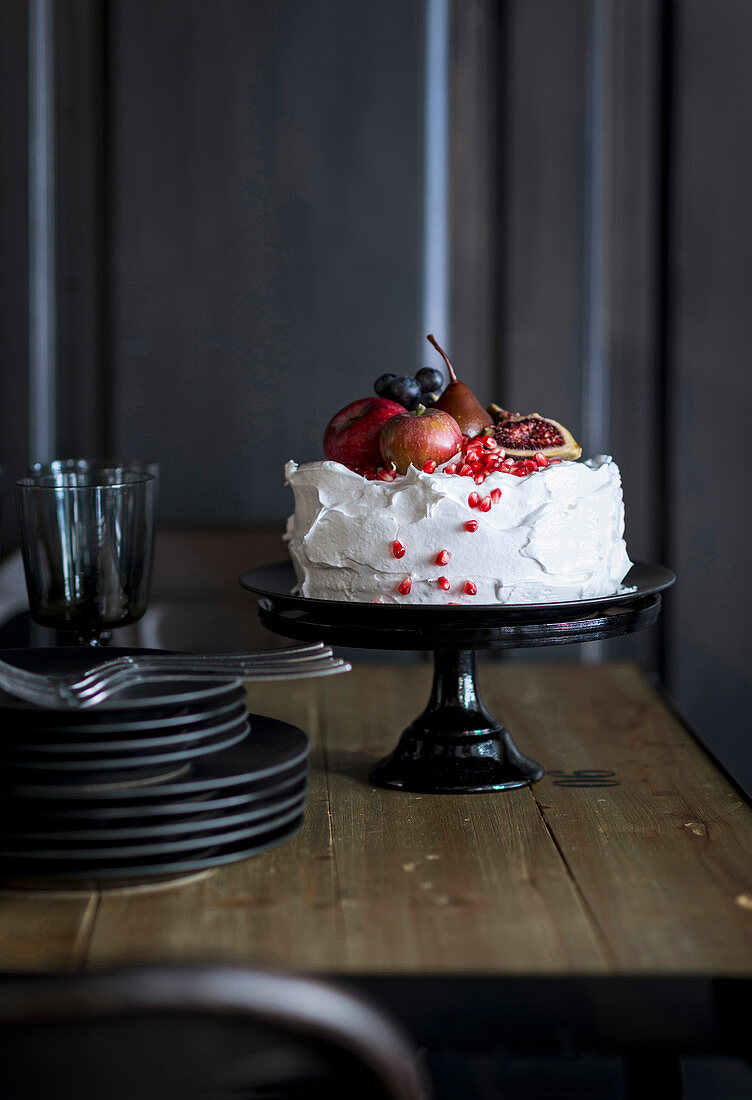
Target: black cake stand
x: 455, y: 746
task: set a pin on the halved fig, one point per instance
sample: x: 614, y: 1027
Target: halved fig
x: 531, y: 434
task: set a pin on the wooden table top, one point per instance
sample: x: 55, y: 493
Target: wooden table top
x: 646, y: 871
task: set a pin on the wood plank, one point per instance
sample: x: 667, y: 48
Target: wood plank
x: 662, y: 860
x: 44, y: 930
x: 652, y: 875
x: 437, y: 884
x: 278, y: 908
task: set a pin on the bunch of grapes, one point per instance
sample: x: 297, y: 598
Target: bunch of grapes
x: 423, y: 389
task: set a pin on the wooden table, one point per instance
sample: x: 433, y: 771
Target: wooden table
x: 611, y: 903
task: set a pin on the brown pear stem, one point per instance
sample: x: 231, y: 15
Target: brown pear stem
x: 432, y: 340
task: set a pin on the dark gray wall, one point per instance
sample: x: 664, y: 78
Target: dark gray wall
x: 239, y: 255
x: 266, y: 179
x: 14, y: 362
x: 709, y: 508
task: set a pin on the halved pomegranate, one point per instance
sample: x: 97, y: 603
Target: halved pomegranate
x: 531, y: 434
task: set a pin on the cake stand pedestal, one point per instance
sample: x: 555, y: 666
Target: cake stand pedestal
x: 455, y: 746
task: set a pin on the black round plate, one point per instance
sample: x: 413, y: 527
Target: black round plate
x: 37, y: 744
x: 17, y: 814
x: 235, y: 730
x: 275, y: 582
x: 18, y: 873
x: 62, y: 814
x: 75, y: 725
x: 184, y: 845
x: 270, y: 751
x: 40, y: 833
x: 140, y: 697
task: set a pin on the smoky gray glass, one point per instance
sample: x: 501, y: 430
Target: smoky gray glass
x: 92, y: 466
x: 87, y: 542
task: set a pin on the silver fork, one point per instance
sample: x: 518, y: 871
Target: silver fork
x: 78, y: 691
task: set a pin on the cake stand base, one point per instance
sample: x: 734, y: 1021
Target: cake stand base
x: 455, y: 746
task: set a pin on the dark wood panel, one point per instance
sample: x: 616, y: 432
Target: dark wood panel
x: 477, y: 77
x: 14, y: 268
x: 81, y: 199
x: 267, y: 221
x: 541, y: 343
x: 709, y: 655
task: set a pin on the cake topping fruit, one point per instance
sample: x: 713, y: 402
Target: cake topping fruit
x: 415, y: 438
x: 459, y: 400
x: 431, y: 380
x: 443, y: 582
x: 423, y: 389
x: 382, y: 384
x: 533, y: 436
x: 404, y: 587
x: 442, y: 557
x: 471, y: 525
x: 352, y: 435
x: 398, y: 549
x: 470, y: 589
x: 406, y: 391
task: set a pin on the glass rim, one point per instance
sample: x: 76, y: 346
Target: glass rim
x: 78, y: 465
x: 52, y: 481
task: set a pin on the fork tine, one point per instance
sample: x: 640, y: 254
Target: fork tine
x: 289, y: 656
x: 117, y: 681
x: 114, y: 680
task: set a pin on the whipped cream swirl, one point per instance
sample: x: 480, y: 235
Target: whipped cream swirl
x: 554, y: 535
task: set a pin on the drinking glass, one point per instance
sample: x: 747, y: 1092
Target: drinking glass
x: 92, y: 465
x: 87, y: 541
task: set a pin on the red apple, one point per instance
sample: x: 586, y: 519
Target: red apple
x: 352, y: 435
x: 420, y: 436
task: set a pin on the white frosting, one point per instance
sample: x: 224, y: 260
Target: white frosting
x: 555, y: 535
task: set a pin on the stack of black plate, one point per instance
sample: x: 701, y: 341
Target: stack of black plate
x: 163, y: 780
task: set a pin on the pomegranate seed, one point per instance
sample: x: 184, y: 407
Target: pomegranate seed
x: 465, y: 441
x: 518, y: 472
x: 385, y: 475
x: 398, y: 549
x: 450, y: 469
x: 541, y: 459
x: 466, y: 471
x: 492, y: 463
x: 470, y: 589
x: 429, y: 467
x: 479, y: 479
x: 442, y: 557
x: 474, y: 500
x: 507, y: 466
x: 471, y: 525
x: 443, y: 583
x: 530, y: 466
x: 485, y: 505
x: 496, y: 495
x: 404, y: 586
x: 490, y: 443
